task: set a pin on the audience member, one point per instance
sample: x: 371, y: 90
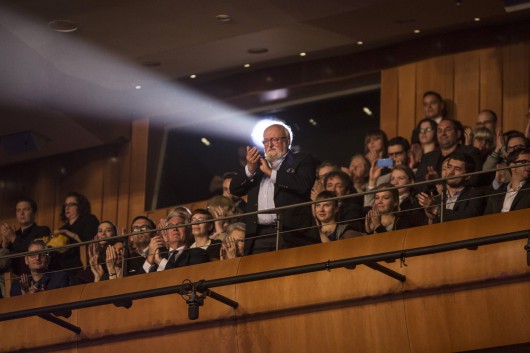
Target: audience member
x: 325, y: 213
x: 350, y: 209
x: 17, y: 240
x: 460, y: 201
x: 239, y: 203
x: 282, y: 178
x: 514, y: 195
x: 169, y: 248
x: 323, y: 169
x: 114, y: 262
x: 433, y: 106
x: 79, y: 225
x: 98, y: 252
x: 487, y: 119
x: 398, y: 151
x: 358, y: 170
x: 409, y: 207
x: 383, y: 216
x: 234, y: 244
x: 39, y: 278
x: 201, y: 233
x: 423, y: 140
x: 221, y: 206
x: 139, y: 244
x: 448, y: 134
x: 375, y: 143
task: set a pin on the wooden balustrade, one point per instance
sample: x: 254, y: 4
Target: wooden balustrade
x: 451, y: 301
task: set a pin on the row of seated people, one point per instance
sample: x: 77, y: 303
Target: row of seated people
x: 109, y: 256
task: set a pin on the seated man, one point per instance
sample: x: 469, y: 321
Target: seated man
x: 460, y: 201
x: 234, y: 243
x: 139, y: 244
x: 239, y: 203
x: 169, y: 249
x: 39, y: 279
x: 17, y: 241
x: 448, y: 133
x: 323, y: 169
x: 350, y: 209
x: 514, y: 195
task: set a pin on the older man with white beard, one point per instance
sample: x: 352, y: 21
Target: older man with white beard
x: 280, y: 178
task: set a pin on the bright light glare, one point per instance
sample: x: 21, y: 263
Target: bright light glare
x: 367, y: 111
x: 43, y: 68
x: 259, y: 128
x: 205, y: 141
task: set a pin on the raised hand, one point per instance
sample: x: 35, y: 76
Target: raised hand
x: 253, y: 158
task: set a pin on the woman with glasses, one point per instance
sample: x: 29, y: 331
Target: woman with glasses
x: 383, y: 216
x: 423, y: 139
x: 201, y: 233
x: 79, y: 225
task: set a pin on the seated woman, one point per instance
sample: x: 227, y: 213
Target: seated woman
x: 383, y: 216
x: 97, y: 252
x: 79, y: 225
x: 408, y: 203
x: 112, y: 267
x: 424, y: 140
x: 221, y: 206
x: 326, y: 213
x: 375, y: 145
x: 201, y: 233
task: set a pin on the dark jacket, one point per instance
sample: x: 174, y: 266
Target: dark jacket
x: 51, y: 280
x: 496, y: 200
x: 294, y: 180
x: 470, y: 203
x: 21, y: 244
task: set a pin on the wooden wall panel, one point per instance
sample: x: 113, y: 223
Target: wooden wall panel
x: 491, y: 78
x: 138, y: 170
x: 466, y: 90
x: 407, y: 100
x: 389, y: 110
x: 491, y: 81
x: 516, y: 69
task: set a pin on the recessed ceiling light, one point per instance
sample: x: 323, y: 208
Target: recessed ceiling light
x: 246, y: 66
x: 477, y: 19
x: 138, y: 87
x: 257, y: 50
x: 367, y: 111
x: 193, y: 76
x: 312, y: 122
x: 360, y: 42
x: 416, y: 31
x: 205, y: 141
x: 64, y: 26
x: 303, y: 54
x: 223, y: 18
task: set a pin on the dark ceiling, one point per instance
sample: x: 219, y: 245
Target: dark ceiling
x: 64, y: 91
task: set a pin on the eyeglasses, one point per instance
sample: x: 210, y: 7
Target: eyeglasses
x: 274, y: 140
x: 71, y: 204
x: 521, y: 162
x: 427, y: 129
x: 140, y: 229
x: 201, y: 219
x: 513, y: 148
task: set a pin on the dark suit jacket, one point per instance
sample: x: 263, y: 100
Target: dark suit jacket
x: 521, y: 200
x: 435, y: 159
x: 294, y: 180
x: 52, y: 280
x: 189, y: 257
x: 470, y: 203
